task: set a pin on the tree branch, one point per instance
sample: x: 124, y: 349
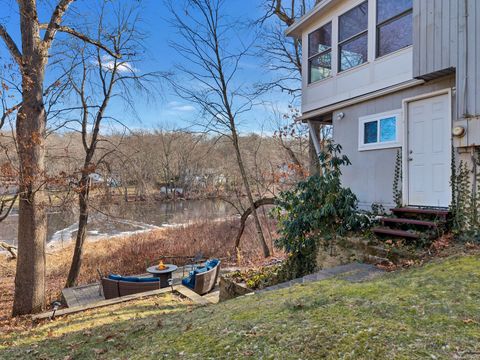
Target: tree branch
x: 247, y: 213
x: 7, y: 112
x: 12, y: 47
x: 55, y: 21
x: 83, y: 37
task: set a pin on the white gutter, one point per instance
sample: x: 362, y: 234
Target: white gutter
x: 314, y: 138
x: 291, y: 31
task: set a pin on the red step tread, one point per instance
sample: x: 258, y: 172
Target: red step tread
x: 409, y: 222
x: 397, y: 233
x: 438, y: 212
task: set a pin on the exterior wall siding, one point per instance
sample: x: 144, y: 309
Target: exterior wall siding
x: 446, y: 35
x: 371, y: 174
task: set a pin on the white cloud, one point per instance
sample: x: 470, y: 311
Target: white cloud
x: 123, y: 67
x: 176, y: 106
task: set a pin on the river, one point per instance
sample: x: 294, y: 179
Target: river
x: 123, y: 219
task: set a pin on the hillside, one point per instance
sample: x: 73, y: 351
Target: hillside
x: 424, y: 313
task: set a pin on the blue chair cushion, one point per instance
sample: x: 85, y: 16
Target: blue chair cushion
x: 210, y: 264
x: 115, y: 277
x: 188, y: 282
x: 148, y: 280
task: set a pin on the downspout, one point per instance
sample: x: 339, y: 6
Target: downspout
x: 314, y: 137
x: 465, y: 79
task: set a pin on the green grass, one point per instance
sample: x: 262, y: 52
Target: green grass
x: 427, y: 313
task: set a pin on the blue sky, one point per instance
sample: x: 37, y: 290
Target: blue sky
x: 166, y: 110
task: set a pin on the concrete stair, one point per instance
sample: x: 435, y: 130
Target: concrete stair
x: 354, y: 272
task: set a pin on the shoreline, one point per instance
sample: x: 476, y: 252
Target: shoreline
x: 57, y: 245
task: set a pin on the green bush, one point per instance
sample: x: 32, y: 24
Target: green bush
x: 317, y: 208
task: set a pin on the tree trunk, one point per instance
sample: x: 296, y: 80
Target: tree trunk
x: 82, y: 232
x: 30, y: 130
x: 247, y: 213
x: 32, y: 221
x: 258, y: 226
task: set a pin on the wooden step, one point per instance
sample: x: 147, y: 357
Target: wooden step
x: 401, y: 221
x: 441, y: 213
x: 395, y: 233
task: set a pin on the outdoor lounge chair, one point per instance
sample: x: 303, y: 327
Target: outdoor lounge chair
x: 116, y: 286
x: 202, y: 280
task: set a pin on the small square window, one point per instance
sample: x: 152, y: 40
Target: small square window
x: 370, y: 132
x: 388, y: 129
x: 379, y: 131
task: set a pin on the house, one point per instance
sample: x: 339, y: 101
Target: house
x: 394, y: 75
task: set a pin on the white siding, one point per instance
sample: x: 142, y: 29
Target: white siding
x: 374, y: 75
x: 444, y: 38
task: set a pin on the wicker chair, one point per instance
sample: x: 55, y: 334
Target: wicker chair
x: 205, y: 281
x: 117, y: 288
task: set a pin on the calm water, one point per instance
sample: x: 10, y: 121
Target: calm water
x: 123, y: 219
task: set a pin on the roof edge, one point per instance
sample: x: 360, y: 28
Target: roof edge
x: 295, y: 29
x: 312, y: 114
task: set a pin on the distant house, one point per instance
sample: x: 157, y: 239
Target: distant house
x: 394, y: 75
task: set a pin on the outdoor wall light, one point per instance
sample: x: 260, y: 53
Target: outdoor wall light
x: 458, y: 131
x: 340, y: 116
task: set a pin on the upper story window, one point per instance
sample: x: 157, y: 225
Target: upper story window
x: 394, y: 25
x: 353, y: 37
x: 320, y: 53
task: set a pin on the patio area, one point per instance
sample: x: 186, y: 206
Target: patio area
x: 90, y: 296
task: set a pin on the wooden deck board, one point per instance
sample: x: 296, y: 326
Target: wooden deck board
x: 82, y: 295
x: 197, y: 299
x: 102, y: 303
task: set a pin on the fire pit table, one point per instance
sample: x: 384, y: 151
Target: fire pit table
x: 163, y: 274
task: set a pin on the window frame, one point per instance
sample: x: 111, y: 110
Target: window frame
x: 379, y: 25
x: 320, y: 54
x: 397, y: 114
x: 351, y: 38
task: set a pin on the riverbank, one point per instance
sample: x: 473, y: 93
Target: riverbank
x: 132, y: 254
x: 109, y: 219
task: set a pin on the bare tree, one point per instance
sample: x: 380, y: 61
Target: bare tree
x: 31, y: 58
x: 211, y: 78
x: 284, y: 55
x: 8, y: 183
x: 100, y: 79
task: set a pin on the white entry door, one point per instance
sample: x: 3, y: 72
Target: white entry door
x: 429, y: 152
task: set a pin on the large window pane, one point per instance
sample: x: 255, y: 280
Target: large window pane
x: 395, y: 35
x: 320, y: 67
x: 354, y: 53
x: 370, y: 132
x: 353, y: 22
x: 388, y: 129
x: 386, y: 9
x: 320, y: 40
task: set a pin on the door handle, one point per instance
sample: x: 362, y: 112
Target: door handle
x: 410, y: 159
